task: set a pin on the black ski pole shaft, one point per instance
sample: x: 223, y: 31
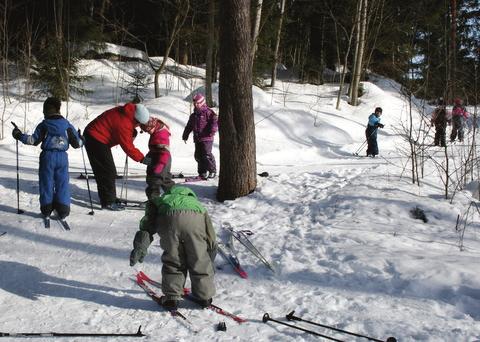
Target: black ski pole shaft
x: 54, y: 334
x: 361, y: 146
x: 292, y: 317
x: 124, y: 181
x: 365, y: 142
x: 266, y: 318
x: 88, y: 184
x: 19, y: 211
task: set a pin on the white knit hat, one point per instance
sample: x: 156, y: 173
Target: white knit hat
x: 141, y: 113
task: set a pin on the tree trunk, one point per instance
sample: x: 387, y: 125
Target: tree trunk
x: 345, y: 61
x: 361, y: 48
x: 277, y: 43
x: 238, y: 175
x: 357, y: 44
x: 256, y: 28
x: 453, y: 45
x: 209, y: 62
x: 183, y: 8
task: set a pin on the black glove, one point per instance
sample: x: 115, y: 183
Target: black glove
x: 82, y: 138
x: 134, y: 133
x: 380, y: 125
x: 16, y: 133
x: 147, y: 161
x: 140, y: 246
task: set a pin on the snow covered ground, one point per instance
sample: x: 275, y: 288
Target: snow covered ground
x: 336, y: 227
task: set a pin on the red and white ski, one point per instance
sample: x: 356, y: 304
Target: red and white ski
x: 187, y: 295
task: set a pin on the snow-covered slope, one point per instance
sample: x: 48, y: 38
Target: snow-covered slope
x: 336, y: 228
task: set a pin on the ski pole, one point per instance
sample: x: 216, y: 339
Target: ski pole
x: 124, y: 182
x: 291, y: 317
x: 365, y: 142
x: 19, y: 211
x: 88, y: 183
x: 242, y: 237
x: 54, y: 334
x: 266, y: 318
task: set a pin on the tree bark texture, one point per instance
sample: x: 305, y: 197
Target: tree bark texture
x: 236, y: 122
x: 210, y: 43
x: 256, y: 27
x: 277, y: 43
x: 359, y: 58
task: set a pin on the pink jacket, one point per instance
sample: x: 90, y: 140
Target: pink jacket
x: 158, y: 145
x: 459, y: 111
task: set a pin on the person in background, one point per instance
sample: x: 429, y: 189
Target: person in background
x: 439, y: 120
x: 188, y: 240
x: 371, y: 132
x: 158, y: 172
x: 459, y: 115
x: 56, y: 134
x: 204, y: 124
x: 113, y: 127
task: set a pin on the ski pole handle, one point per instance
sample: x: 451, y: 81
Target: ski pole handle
x: 14, y: 125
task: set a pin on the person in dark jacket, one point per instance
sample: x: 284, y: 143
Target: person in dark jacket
x: 56, y: 134
x: 439, y: 119
x: 113, y: 127
x: 204, y: 124
x: 188, y: 240
x: 371, y: 132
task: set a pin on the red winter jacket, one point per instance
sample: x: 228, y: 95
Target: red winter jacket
x: 115, y: 127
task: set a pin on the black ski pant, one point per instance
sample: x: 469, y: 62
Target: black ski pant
x: 156, y: 181
x: 440, y: 135
x: 103, y: 166
x: 457, y: 128
x: 204, y: 157
x: 372, y: 145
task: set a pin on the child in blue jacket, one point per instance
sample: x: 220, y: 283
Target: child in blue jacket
x: 371, y: 132
x: 55, y: 134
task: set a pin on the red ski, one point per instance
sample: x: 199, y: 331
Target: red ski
x: 152, y: 294
x: 187, y: 295
x: 231, y: 258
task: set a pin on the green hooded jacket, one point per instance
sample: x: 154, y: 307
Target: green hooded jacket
x: 177, y: 198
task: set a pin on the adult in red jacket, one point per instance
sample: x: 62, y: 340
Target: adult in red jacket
x: 113, y: 127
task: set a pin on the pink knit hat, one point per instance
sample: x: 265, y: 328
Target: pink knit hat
x: 199, y: 100
x: 153, y: 124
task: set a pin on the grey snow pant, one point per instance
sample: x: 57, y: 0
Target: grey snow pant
x: 183, y: 238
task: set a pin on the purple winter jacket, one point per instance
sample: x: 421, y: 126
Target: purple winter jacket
x: 204, y: 124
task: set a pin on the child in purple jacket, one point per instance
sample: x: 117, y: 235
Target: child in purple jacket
x: 204, y: 124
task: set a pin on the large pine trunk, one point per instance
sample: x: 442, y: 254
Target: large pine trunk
x: 236, y: 121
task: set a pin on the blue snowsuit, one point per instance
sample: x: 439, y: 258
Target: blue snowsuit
x: 56, y: 134
x: 371, y: 134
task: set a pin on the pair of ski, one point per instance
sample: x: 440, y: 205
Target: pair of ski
x: 63, y: 223
x: 242, y: 237
x: 143, y: 280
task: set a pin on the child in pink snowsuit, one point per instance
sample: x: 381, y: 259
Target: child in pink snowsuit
x: 459, y: 115
x: 158, y: 171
